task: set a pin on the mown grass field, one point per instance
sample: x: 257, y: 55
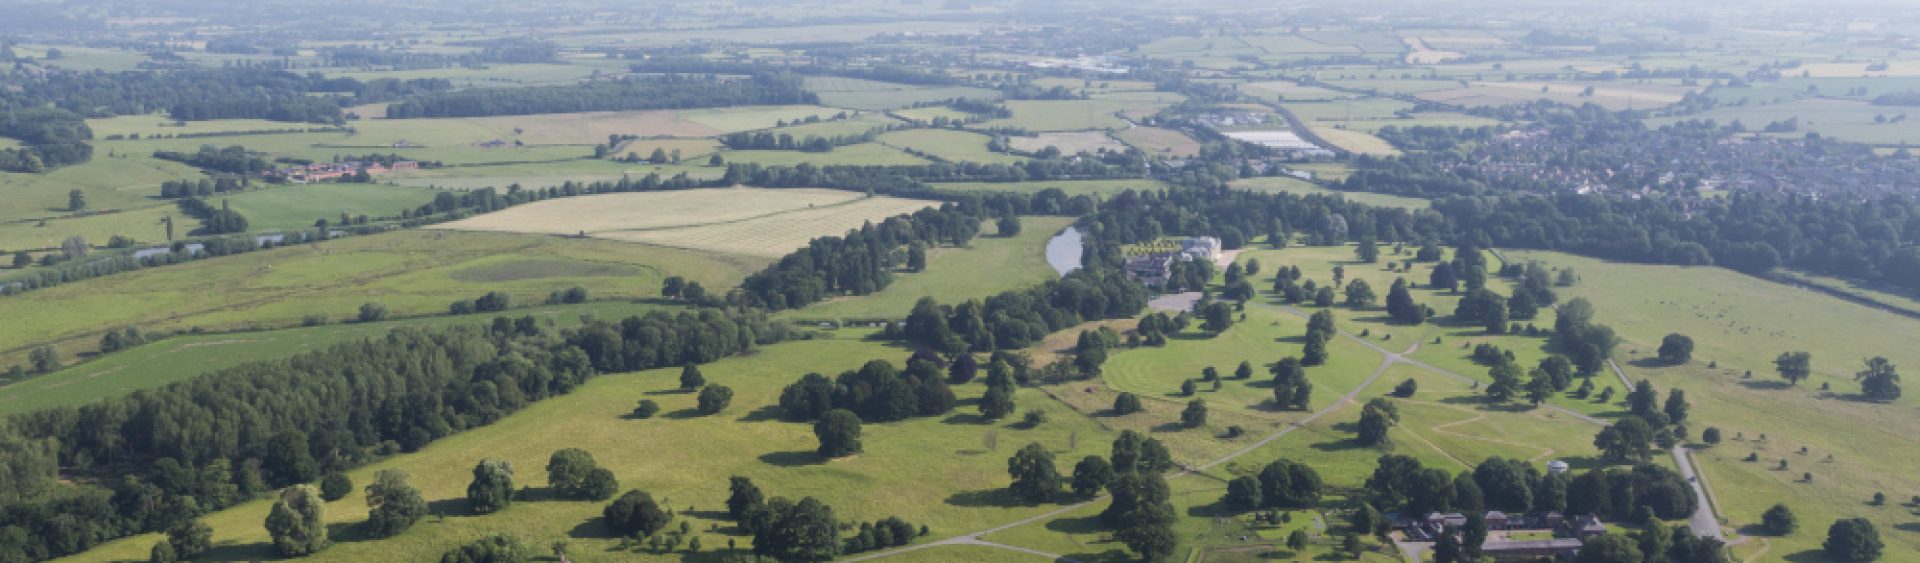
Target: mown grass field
x: 993, y: 264
x: 1741, y: 323
x: 1159, y: 141
x: 860, y: 154
x: 876, y: 95
x: 297, y: 207
x: 949, y: 145
x: 937, y: 471
x: 1074, y: 115
x: 634, y: 211
x: 1068, y: 142
x: 184, y: 357
x: 775, y: 235
x: 412, y: 272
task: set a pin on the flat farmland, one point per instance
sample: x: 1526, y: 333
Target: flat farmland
x: 1355, y: 141
x: 1609, y: 95
x: 875, y: 95
x: 992, y: 264
x: 859, y: 154
x: 1071, y: 187
x: 1297, y: 186
x: 296, y: 207
x: 631, y: 211
x: 1289, y: 90
x: 1074, y: 142
x: 1164, y: 142
x: 775, y: 235
x: 1081, y: 115
x: 948, y: 144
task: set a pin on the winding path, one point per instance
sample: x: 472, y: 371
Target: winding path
x: 1703, y: 522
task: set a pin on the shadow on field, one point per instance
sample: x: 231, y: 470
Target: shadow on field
x: 658, y: 392
x: 1337, y: 445
x: 792, y: 459
x: 966, y: 418
x: 240, y: 552
x: 763, y: 414
x: 592, y: 528
x: 1808, y: 556
x: 683, y: 414
x: 455, y: 507
x: 989, y: 497
x: 1766, y: 384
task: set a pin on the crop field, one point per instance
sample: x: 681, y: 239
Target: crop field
x: 543, y: 174
x: 632, y: 211
x: 412, y: 272
x: 772, y: 236
x: 1845, y: 119
x: 993, y: 264
x: 949, y: 145
x: 141, y: 224
x: 875, y: 95
x: 927, y: 114
x: 1069, y: 143
x: 1158, y: 141
x: 1359, y: 142
x: 109, y: 182
x: 1303, y: 187
x: 1283, y: 90
x: 1609, y: 95
x: 1071, y: 187
x: 1348, y: 112
x: 296, y: 207
x: 183, y: 357
x: 493, y: 76
x: 692, y: 151
x: 1077, y: 115
x: 937, y: 471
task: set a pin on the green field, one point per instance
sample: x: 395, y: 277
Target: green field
x: 992, y: 265
x: 935, y: 470
x: 413, y: 272
x: 875, y: 95
x: 296, y: 207
x: 863, y: 153
x: 187, y: 356
x: 948, y: 145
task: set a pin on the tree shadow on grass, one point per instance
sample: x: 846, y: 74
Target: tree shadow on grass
x: 1808, y: 556
x: 966, y: 418
x: 1766, y: 384
x: 593, y: 528
x: 659, y: 392
x: 989, y: 497
x: 765, y: 413
x: 450, y: 507
x: 1337, y: 445
x: 799, y: 458
x: 1115, y: 555
x: 683, y: 414
x: 237, y: 552
x: 1090, y: 524
x: 1165, y: 427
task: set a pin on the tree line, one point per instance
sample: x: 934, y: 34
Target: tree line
x: 640, y: 93
x: 221, y: 438
x: 232, y: 160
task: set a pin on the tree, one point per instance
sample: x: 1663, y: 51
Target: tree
x: 635, y: 514
x: 1609, y: 548
x: 1853, y: 539
x: 1676, y: 407
x: 646, y: 408
x: 1794, y: 366
x: 297, y: 522
x: 1401, y: 307
x: 1676, y: 349
x: 1711, y: 436
x: 1447, y: 548
x: 838, y: 432
x: 917, y: 257
x: 997, y: 403
x: 713, y: 399
x: 1367, y: 251
x: 288, y: 460
x: 1195, y: 415
x: 1506, y: 382
x: 1880, y: 381
x: 44, y: 359
x: 497, y: 548
x: 1444, y: 276
x: 573, y: 474
x: 1643, y: 401
x: 1374, y: 424
x: 1473, y: 535
x: 964, y: 368
x: 190, y: 538
x: 1243, y: 371
x: 691, y: 379
x: 803, y: 531
x: 1626, y: 440
x: 1126, y: 403
x: 743, y: 497
x: 1035, y: 479
x: 335, y: 486
x: 492, y: 487
x: 1360, y: 294
x: 1243, y: 494
x: 1315, y: 351
x: 1297, y: 541
x: 393, y: 504
x: 1366, y: 519
x: 76, y: 201
x: 1779, y: 520
x: 162, y: 553
x: 1008, y: 225
x: 373, y: 312
x: 1090, y: 475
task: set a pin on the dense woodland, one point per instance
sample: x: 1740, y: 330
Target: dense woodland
x: 662, y: 92
x: 225, y: 437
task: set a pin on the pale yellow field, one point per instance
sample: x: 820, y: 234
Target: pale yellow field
x: 1164, y: 141
x: 1610, y: 96
x: 777, y: 234
x: 1356, y: 141
x: 597, y: 214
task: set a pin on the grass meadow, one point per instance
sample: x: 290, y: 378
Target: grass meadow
x: 948, y: 145
x: 993, y: 264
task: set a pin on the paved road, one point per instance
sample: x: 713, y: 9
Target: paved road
x: 1704, y: 522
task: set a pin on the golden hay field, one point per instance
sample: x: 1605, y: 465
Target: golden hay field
x: 778, y: 234
x: 1068, y: 142
x: 739, y: 220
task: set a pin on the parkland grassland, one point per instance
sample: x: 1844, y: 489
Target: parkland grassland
x: 290, y: 282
